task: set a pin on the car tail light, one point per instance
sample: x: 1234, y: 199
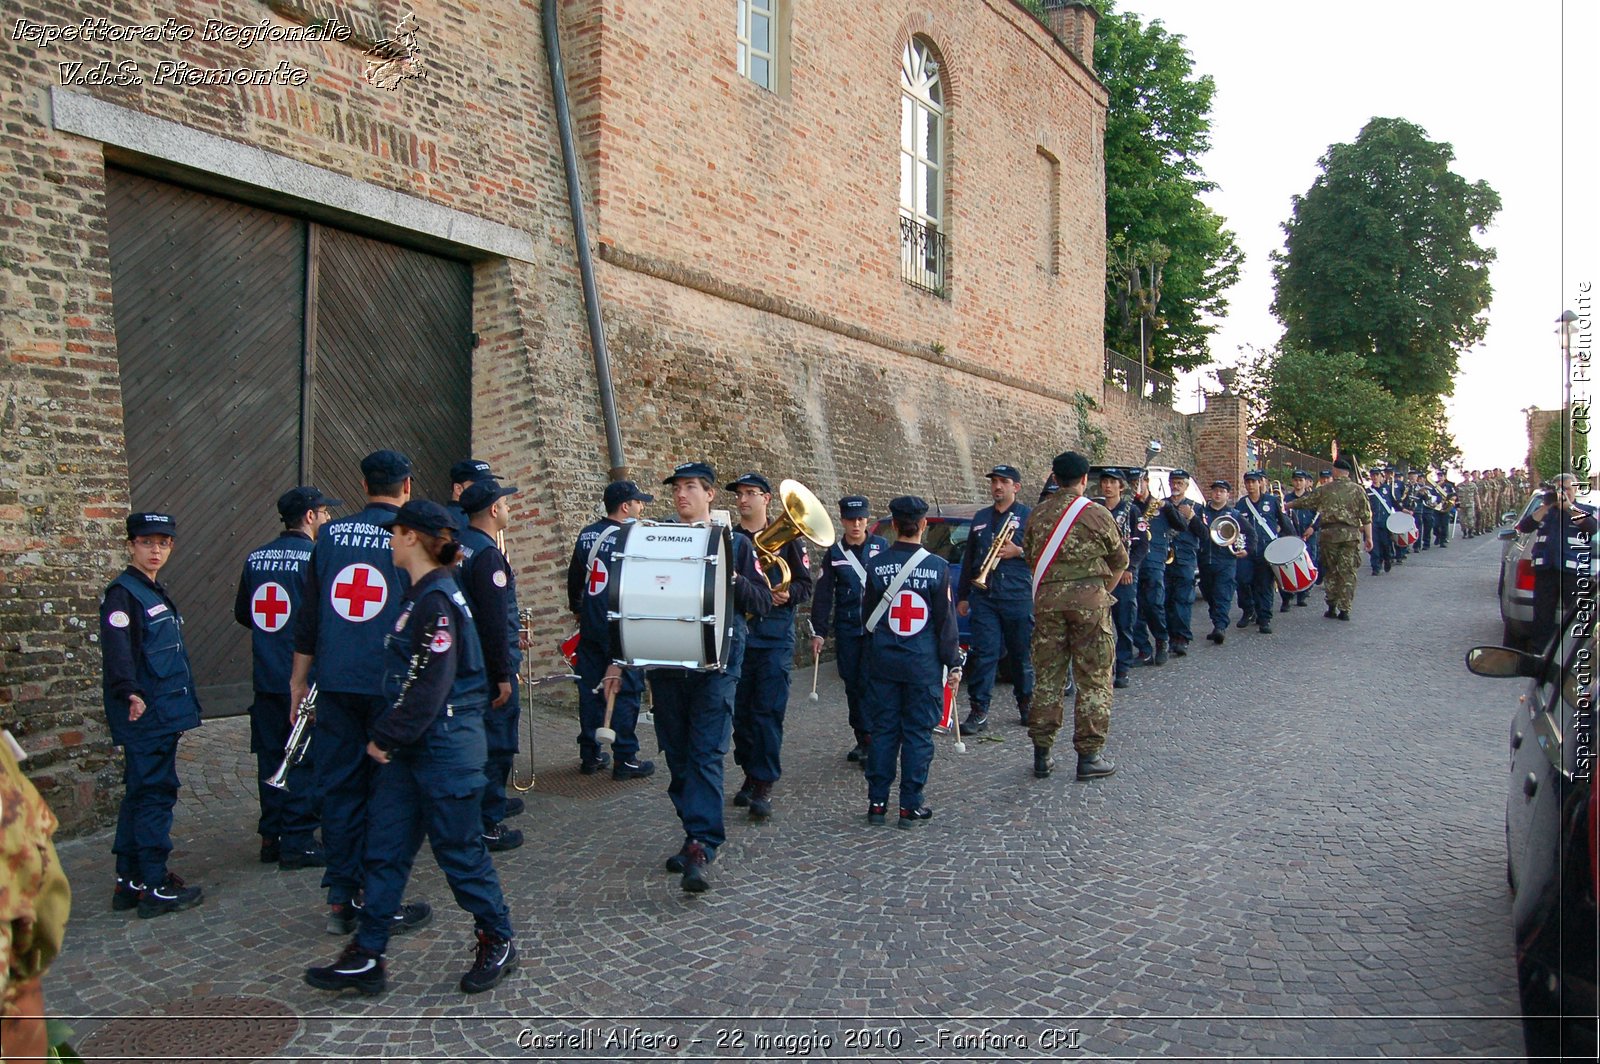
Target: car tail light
x: 1524, y: 575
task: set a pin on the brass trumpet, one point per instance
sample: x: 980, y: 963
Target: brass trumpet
x: 1225, y: 532
x: 803, y: 516
x: 299, y: 744
x: 1008, y: 529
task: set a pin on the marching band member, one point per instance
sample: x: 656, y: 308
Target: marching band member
x: 762, y: 696
x: 1303, y: 523
x: 589, y: 577
x: 1130, y: 526
x: 913, y: 636
x: 693, y: 709
x: 429, y: 749
x: 1001, y: 615
x: 267, y: 600
x: 1076, y: 553
x: 1346, y: 520
x: 836, y: 608
x: 1263, y: 516
x: 1186, y: 533
x: 491, y: 589
x: 1219, y: 568
x: 149, y: 697
x: 1151, y: 579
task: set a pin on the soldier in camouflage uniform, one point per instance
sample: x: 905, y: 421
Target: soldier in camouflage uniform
x: 1072, y: 617
x: 1467, y: 501
x: 1346, y: 531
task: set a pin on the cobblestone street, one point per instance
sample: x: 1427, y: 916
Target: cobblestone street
x: 1301, y: 855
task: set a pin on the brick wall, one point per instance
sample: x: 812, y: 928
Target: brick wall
x: 749, y: 247
x: 1219, y: 441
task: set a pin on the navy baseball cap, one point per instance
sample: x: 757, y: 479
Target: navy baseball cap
x: 621, y: 491
x: 296, y: 501
x: 483, y: 495
x: 1184, y: 473
x: 1068, y: 466
x: 702, y: 470
x: 752, y: 480
x: 908, y: 506
x: 1223, y: 484
x: 470, y: 470
x: 385, y: 467
x: 148, y: 523
x: 1326, y: 473
x: 1110, y: 473
x: 1009, y: 472
x: 1256, y: 474
x: 854, y: 506
x: 1299, y: 474
x: 422, y: 515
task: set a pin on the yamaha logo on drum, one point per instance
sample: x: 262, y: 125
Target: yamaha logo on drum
x: 657, y: 538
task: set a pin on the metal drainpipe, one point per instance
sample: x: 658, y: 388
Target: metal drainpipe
x: 580, y: 233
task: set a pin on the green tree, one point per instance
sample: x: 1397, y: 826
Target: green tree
x: 1169, y: 258
x: 1308, y: 399
x: 1547, y: 454
x: 1381, y: 259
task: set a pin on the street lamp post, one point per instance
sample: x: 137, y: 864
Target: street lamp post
x: 1565, y: 326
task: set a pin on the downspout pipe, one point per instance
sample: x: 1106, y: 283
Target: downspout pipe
x: 580, y: 233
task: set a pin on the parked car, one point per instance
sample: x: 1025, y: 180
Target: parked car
x: 1553, y: 838
x: 1161, y: 487
x: 946, y: 536
x: 1516, y: 578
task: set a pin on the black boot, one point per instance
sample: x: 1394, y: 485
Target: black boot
x: 1094, y: 766
x: 1024, y: 707
x: 356, y: 969
x: 910, y: 818
x: 877, y: 812
x: 1042, y: 762
x: 742, y: 797
x: 496, y: 957
x: 1344, y: 615
x: 761, y: 800
x: 977, y: 721
x: 1329, y: 612
x: 1160, y: 656
x: 694, y: 869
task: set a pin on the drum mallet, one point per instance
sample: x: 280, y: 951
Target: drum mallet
x: 816, y: 663
x: 604, y: 734
x: 955, y: 713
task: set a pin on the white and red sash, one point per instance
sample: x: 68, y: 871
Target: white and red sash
x: 1052, y: 547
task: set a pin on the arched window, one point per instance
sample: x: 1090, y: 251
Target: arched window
x: 922, y: 167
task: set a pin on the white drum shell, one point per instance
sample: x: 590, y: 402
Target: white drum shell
x: 670, y: 604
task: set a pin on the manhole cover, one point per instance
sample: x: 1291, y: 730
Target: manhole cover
x: 566, y: 781
x: 195, y: 1029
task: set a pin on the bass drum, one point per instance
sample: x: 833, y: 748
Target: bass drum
x: 669, y: 605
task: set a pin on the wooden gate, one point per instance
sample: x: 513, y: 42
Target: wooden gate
x: 259, y: 351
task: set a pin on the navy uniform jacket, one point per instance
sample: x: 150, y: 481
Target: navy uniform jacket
x: 1135, y: 532
x: 1215, y: 555
x: 1561, y: 541
x: 1270, y: 507
x: 141, y: 638
x: 586, y: 586
x: 840, y: 589
x: 1383, y: 504
x: 1157, y: 531
x: 491, y: 589
x: 352, y: 595
x: 1298, y: 522
x: 1012, y: 579
x: 776, y: 629
x: 432, y: 660
x: 267, y: 602
x: 918, y: 633
x: 1184, y: 536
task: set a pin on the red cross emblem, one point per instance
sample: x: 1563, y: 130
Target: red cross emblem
x: 909, y: 614
x: 597, y: 577
x: 270, y: 607
x: 359, y: 592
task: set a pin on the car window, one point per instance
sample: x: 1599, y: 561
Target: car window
x: 1533, y: 504
x: 947, y: 539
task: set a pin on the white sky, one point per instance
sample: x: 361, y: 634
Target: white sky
x: 1490, y: 78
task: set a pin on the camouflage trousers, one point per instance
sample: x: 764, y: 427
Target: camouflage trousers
x: 1340, y: 562
x: 1084, y: 642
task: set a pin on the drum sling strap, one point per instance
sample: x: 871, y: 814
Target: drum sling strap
x: 895, y: 585
x: 1262, y: 521
x: 855, y: 563
x: 600, y: 541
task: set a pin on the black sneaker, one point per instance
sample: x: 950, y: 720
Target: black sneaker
x: 343, y: 917
x: 589, y: 766
x: 1120, y: 681
x: 1216, y: 636
x: 633, y: 769
x: 910, y: 818
x: 675, y: 862
x: 857, y: 752
x: 356, y: 969
x: 496, y: 957
x: 170, y: 897
x: 976, y: 723
x: 125, y: 895
x: 293, y: 859
x: 270, y: 851
x: 412, y: 915
x: 741, y: 797
x: 1160, y: 656
x: 514, y: 807
x: 1180, y: 647
x: 1246, y: 621
x: 501, y: 838
x: 1265, y: 629
x: 878, y: 812
x: 694, y: 869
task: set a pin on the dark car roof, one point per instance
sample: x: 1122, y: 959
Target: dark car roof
x: 957, y: 511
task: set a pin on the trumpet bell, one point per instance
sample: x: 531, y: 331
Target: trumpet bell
x: 1224, y: 531
x: 803, y: 516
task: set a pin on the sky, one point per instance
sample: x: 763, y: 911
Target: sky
x: 1510, y: 86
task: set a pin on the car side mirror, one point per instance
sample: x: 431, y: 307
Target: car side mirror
x: 1507, y: 533
x: 1509, y: 515
x: 1501, y: 662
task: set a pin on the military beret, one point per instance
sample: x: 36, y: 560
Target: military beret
x: 752, y: 480
x: 908, y: 506
x: 484, y: 494
x: 854, y: 506
x: 151, y: 524
x: 385, y: 467
x: 1069, y: 466
x: 470, y: 470
x: 1345, y: 464
x: 1009, y: 472
x: 699, y: 470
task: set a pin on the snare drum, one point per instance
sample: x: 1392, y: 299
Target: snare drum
x: 1289, y: 556
x: 1403, y: 527
x: 669, y: 606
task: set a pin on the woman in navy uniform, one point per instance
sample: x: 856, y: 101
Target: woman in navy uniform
x: 836, y: 607
x: 149, y: 702
x: 913, y: 636
x: 430, y: 746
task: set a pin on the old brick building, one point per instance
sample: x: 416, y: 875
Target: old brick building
x: 861, y: 245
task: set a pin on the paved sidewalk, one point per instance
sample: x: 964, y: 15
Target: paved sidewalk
x: 1301, y: 855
